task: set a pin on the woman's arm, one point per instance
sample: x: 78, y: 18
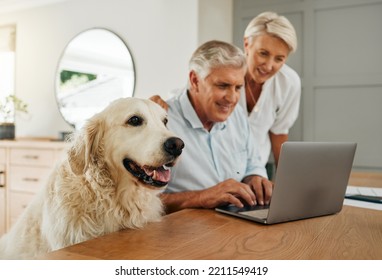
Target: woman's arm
x: 276, y: 141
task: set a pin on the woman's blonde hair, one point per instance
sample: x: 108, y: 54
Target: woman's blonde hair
x: 273, y: 24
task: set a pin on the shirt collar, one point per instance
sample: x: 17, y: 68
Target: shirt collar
x: 191, y: 116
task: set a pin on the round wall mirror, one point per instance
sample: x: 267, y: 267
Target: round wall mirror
x: 95, y: 68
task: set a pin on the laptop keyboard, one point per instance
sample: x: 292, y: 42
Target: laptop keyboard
x: 261, y: 214
x: 258, y: 211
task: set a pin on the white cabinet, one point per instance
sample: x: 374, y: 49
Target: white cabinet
x: 25, y: 170
x: 2, y: 211
x: 28, y: 171
x: 2, y: 191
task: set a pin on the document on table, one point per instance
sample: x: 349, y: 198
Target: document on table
x: 364, y: 191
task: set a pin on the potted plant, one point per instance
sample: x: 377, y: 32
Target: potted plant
x: 9, y: 106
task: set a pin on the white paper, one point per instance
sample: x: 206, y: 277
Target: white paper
x: 364, y: 191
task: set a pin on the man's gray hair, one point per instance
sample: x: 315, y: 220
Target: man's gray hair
x: 215, y: 54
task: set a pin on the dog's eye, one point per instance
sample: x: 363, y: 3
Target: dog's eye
x: 135, y: 121
x: 165, y: 121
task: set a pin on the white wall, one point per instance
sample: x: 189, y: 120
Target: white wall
x: 215, y: 20
x: 161, y: 34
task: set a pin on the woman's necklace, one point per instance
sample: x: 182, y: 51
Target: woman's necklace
x: 253, y: 104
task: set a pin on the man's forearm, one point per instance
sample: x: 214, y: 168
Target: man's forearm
x: 181, y: 200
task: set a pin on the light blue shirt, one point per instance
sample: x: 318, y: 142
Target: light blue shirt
x: 210, y: 157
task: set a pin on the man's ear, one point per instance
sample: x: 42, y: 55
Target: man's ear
x: 194, y: 80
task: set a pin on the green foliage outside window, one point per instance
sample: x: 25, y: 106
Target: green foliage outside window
x: 66, y: 75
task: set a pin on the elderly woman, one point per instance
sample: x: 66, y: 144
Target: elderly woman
x: 271, y: 95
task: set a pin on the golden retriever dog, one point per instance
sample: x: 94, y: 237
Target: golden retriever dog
x: 108, y: 180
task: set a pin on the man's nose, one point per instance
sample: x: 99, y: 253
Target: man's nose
x: 231, y: 94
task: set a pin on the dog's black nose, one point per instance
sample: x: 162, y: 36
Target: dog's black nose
x: 174, y: 146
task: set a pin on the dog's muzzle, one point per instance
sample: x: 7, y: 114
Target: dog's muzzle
x: 157, y: 176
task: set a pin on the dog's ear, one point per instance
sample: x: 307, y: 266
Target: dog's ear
x: 86, y: 146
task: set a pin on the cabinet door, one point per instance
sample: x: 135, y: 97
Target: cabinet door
x: 2, y: 155
x: 2, y: 211
x: 32, y: 157
x: 18, y: 201
x: 28, y: 178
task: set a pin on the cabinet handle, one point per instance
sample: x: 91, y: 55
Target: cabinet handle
x: 30, y: 179
x: 2, y: 185
x: 31, y: 157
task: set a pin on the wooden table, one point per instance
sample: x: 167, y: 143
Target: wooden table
x: 354, y: 233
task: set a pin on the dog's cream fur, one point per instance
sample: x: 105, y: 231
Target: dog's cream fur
x: 90, y: 193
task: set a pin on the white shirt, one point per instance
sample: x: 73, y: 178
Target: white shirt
x: 276, y: 110
x: 210, y: 157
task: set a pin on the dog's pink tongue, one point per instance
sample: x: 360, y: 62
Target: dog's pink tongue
x: 159, y: 174
x: 162, y: 175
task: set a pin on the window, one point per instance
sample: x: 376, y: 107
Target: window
x: 7, y: 64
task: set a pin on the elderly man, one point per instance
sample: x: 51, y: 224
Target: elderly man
x: 219, y: 164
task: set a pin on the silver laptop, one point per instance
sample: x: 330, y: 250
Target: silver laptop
x: 311, y: 181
